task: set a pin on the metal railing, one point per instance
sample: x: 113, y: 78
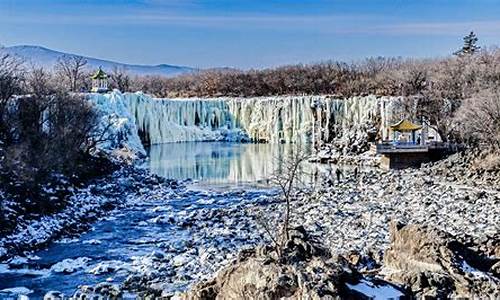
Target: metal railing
x: 400, y: 145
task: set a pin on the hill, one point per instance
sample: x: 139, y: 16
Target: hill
x: 47, y: 58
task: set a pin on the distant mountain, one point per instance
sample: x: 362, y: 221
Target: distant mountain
x: 47, y: 58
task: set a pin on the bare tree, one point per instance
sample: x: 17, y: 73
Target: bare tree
x: 120, y: 79
x: 288, y: 177
x: 11, y: 78
x: 72, y: 70
x: 11, y: 75
x: 39, y: 82
x: 479, y: 118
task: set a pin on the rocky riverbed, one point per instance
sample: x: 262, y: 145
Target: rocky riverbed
x: 350, y: 217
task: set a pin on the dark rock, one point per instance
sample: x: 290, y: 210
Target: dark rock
x: 428, y: 260
x: 304, y: 271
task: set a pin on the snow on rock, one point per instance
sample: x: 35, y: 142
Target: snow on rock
x: 17, y: 261
x: 92, y: 242
x: 69, y: 265
x: 109, y: 266
x: 17, y: 291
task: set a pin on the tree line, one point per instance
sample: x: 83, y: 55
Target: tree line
x: 48, y: 138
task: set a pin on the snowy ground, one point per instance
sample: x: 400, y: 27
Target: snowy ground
x: 154, y: 235
x: 165, y: 239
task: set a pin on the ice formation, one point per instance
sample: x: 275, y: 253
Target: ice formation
x: 137, y: 117
x: 288, y: 119
x: 117, y: 122
x: 180, y: 120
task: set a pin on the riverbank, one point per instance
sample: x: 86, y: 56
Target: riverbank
x: 83, y: 207
x: 350, y: 217
x: 188, y: 236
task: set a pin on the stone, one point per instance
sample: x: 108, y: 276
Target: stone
x: 305, y: 270
x: 69, y: 265
x: 426, y: 259
x: 54, y: 295
x: 103, y: 290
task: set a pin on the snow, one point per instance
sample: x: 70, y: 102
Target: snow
x: 375, y: 292
x: 115, y: 115
x: 17, y: 290
x: 70, y: 265
x: 92, y: 242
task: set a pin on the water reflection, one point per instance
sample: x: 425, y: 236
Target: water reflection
x: 218, y: 162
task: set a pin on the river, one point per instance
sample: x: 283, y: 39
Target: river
x: 219, y: 175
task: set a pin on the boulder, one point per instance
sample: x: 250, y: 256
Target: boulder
x: 54, y: 295
x: 304, y: 270
x: 433, y: 263
x: 103, y: 290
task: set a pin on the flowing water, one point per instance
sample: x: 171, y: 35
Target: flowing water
x: 225, y: 173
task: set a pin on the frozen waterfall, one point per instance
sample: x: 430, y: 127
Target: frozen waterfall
x: 288, y: 119
x: 180, y: 120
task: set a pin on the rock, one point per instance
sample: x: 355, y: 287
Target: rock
x: 104, y: 290
x: 495, y: 269
x: 303, y: 271
x: 428, y: 260
x: 54, y: 295
x: 69, y: 265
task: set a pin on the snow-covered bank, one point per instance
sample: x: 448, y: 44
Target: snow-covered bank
x: 163, y: 242
x: 352, y: 215
x: 83, y: 207
x: 287, y: 119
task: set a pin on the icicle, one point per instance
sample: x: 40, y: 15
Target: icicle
x: 287, y: 119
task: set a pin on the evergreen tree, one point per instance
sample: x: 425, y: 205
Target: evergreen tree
x: 470, y: 45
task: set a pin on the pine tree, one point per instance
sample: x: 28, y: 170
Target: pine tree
x: 470, y: 45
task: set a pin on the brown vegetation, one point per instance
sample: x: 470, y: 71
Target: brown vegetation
x: 435, y: 89
x: 46, y: 137
x: 455, y: 77
x: 479, y: 118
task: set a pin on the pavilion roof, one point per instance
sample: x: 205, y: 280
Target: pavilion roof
x: 405, y: 125
x: 100, y: 74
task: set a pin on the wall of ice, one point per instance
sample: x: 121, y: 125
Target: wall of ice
x: 286, y: 119
x: 117, y: 123
x: 180, y: 120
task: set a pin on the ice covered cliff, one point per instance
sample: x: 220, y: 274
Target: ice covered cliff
x: 180, y: 120
x: 288, y: 119
x: 266, y: 119
x: 118, y: 124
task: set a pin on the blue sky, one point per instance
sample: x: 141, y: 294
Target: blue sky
x: 248, y: 34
